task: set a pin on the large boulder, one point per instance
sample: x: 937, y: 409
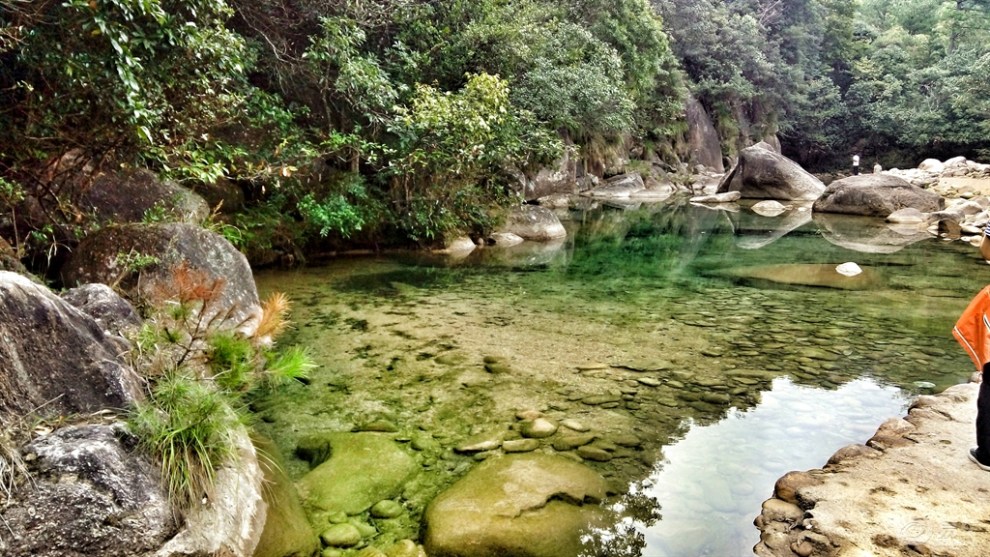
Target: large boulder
x: 111, y: 312
x: 876, y: 195
x: 353, y: 472
x: 109, y: 256
x: 621, y: 186
x: 762, y: 173
x: 229, y: 523
x: 531, y: 222
x: 89, y: 496
x: 287, y: 531
x: 702, y: 145
x: 54, y: 359
x: 531, y: 505
x: 135, y: 195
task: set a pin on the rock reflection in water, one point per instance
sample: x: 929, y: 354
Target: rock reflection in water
x: 711, y: 483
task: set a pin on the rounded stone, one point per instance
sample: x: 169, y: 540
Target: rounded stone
x: 591, y: 452
x: 520, y: 445
x: 386, y: 508
x: 341, y: 535
x: 538, y: 429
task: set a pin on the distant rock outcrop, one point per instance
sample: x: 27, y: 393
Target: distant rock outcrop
x: 531, y: 222
x: 876, y: 195
x: 762, y: 173
x: 134, y: 195
x: 702, y: 146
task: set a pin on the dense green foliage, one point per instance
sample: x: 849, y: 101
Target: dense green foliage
x: 410, y: 121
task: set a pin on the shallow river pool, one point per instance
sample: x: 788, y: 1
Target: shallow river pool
x: 709, y: 351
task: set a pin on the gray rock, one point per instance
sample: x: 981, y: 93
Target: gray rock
x: 531, y: 222
x: 135, y: 195
x: 341, y: 535
x: 621, y: 186
x: 875, y: 195
x: 176, y: 246
x: 703, y: 145
x: 724, y: 197
x: 531, y: 505
x: 762, y: 173
x: 538, y: 428
x: 231, y: 521
x: 505, y: 239
x: 111, y: 312
x: 90, y: 496
x: 54, y: 359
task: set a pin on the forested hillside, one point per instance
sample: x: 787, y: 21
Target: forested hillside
x: 387, y: 121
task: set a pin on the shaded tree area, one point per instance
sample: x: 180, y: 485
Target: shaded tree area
x: 373, y: 121
x: 896, y: 80
x: 408, y: 121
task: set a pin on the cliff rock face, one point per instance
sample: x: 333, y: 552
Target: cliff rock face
x: 762, y: 173
x: 702, y: 146
x: 54, y: 359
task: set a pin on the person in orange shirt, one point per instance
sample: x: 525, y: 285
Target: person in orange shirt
x: 972, y: 330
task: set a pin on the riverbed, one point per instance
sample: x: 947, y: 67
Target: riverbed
x: 710, y: 351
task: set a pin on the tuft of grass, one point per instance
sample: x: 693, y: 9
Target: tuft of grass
x: 292, y: 364
x: 187, y: 424
x: 232, y: 361
x: 12, y: 465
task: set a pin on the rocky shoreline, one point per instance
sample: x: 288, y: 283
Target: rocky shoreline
x: 910, y: 490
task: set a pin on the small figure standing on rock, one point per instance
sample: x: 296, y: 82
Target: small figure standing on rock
x: 972, y: 330
x: 856, y: 164
x: 877, y: 169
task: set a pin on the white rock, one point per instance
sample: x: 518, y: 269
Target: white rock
x: 849, y: 269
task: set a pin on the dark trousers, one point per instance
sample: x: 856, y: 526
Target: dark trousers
x: 983, y: 418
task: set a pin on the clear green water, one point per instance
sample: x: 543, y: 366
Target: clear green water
x: 664, y: 325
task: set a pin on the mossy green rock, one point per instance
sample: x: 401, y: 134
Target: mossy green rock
x: 362, y: 469
x: 530, y: 505
x: 341, y: 535
x: 386, y: 509
x: 287, y: 532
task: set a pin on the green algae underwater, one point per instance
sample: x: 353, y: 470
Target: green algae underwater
x: 646, y: 324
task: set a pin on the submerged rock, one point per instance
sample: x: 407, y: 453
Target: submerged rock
x: 809, y: 274
x: 361, y: 470
x: 531, y: 505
